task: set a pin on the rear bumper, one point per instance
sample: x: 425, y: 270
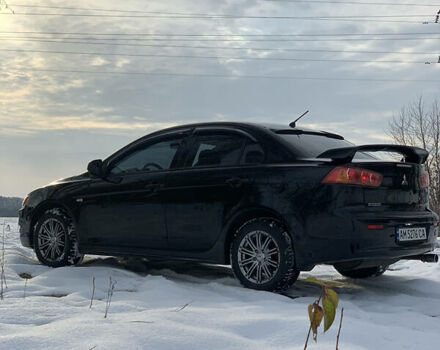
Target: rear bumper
x: 344, y: 236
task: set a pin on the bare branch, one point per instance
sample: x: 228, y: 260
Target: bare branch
x: 418, y: 126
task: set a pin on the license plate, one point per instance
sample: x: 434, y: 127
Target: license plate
x: 411, y: 234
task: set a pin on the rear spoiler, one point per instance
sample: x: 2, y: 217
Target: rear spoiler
x: 346, y: 154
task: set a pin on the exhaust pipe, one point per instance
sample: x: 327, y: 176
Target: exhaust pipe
x: 429, y: 258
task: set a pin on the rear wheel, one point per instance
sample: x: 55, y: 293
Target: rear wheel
x: 262, y: 256
x: 363, y: 273
x: 55, y: 240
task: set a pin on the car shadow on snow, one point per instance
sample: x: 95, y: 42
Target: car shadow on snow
x: 400, y: 287
x: 173, y: 269
x: 386, y: 285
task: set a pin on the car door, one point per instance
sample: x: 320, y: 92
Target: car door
x: 208, y: 187
x: 125, y: 211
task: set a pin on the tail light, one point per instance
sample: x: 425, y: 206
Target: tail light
x: 424, y: 180
x: 24, y: 201
x: 353, y: 176
x: 375, y: 227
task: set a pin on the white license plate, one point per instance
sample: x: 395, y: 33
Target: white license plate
x: 411, y: 234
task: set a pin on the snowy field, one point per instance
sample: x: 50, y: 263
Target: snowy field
x: 190, y: 306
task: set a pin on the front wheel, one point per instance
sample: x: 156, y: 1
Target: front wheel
x: 262, y: 256
x: 363, y: 273
x: 55, y: 240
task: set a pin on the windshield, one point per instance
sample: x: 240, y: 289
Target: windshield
x: 312, y: 145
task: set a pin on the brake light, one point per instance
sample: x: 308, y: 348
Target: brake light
x: 424, y: 180
x: 353, y: 176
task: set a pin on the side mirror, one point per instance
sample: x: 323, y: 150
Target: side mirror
x: 96, y: 168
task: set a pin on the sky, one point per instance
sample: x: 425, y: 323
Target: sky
x: 63, y: 101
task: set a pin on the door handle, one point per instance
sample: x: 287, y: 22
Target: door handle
x: 236, y: 182
x: 153, y: 186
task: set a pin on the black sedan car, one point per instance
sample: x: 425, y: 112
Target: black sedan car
x: 270, y: 200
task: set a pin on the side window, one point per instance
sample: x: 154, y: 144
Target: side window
x: 216, y: 149
x: 152, y: 157
x: 253, y: 154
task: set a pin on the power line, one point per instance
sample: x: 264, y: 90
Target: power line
x: 206, y: 75
x: 81, y: 8
x: 219, y: 35
x: 259, y: 48
x: 207, y: 15
x: 210, y: 15
x: 241, y: 58
x: 280, y: 1
x: 220, y: 40
x: 203, y: 47
x: 175, y: 15
x: 165, y: 15
x: 355, y: 3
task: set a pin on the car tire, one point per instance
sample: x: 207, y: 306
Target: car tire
x: 55, y: 240
x: 363, y: 273
x: 262, y: 256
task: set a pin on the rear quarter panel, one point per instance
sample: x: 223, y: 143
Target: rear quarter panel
x: 293, y: 191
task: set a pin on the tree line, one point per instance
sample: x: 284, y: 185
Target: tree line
x: 9, y: 206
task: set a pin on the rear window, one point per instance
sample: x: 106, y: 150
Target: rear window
x: 216, y: 149
x: 312, y: 145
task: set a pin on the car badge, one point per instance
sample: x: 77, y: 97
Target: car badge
x: 404, y: 181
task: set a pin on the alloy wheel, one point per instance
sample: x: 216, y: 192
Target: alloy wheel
x: 258, y: 257
x: 52, y: 240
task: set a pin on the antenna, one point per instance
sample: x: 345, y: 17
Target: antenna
x: 293, y: 124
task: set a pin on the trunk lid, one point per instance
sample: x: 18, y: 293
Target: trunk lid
x: 400, y: 188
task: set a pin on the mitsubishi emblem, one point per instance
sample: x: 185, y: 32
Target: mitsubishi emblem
x: 404, y: 181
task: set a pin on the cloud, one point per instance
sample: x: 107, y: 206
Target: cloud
x: 122, y: 62
x: 99, y: 61
x: 86, y: 122
x: 34, y: 103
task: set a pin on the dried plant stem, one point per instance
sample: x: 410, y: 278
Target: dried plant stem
x: 307, y: 339
x: 93, y: 292
x: 111, y: 288
x: 339, y: 330
x: 3, y: 283
x: 183, y: 307
x: 24, y: 292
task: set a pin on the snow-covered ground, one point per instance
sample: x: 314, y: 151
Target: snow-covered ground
x: 190, y: 306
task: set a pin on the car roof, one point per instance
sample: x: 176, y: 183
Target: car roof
x: 249, y: 125
x: 270, y: 129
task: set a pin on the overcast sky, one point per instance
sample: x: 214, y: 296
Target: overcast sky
x: 52, y: 123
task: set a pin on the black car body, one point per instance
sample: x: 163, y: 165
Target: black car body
x: 185, y: 192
